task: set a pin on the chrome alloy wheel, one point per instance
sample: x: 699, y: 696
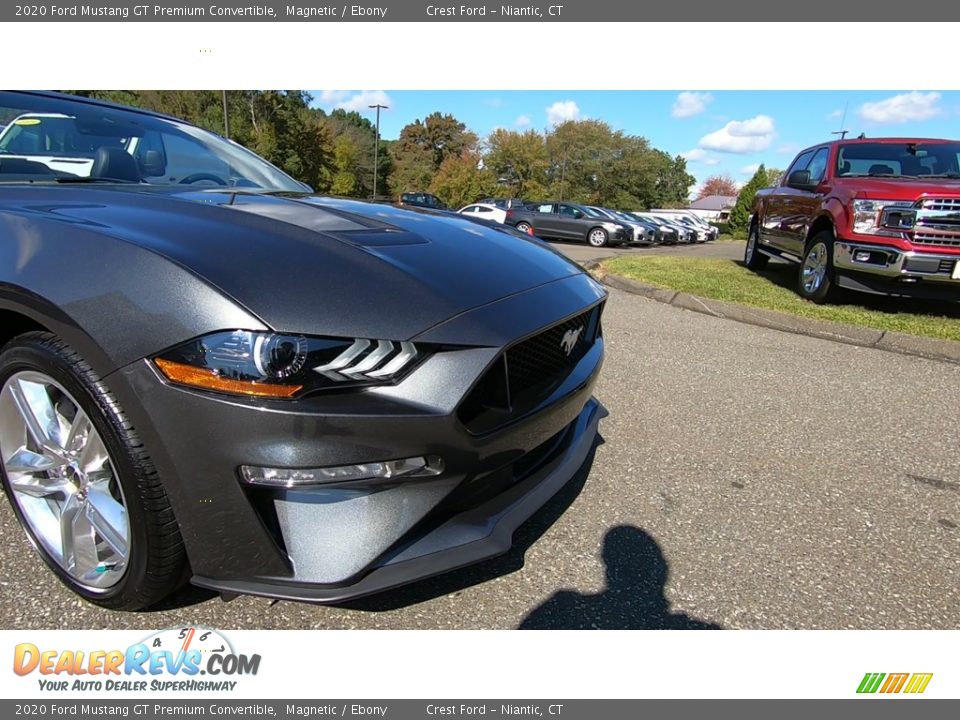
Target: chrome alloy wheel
x: 597, y: 237
x: 63, y: 480
x: 751, y: 244
x: 814, y: 268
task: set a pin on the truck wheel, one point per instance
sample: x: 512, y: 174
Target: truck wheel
x: 523, y: 227
x: 752, y: 257
x: 598, y: 237
x: 816, y: 282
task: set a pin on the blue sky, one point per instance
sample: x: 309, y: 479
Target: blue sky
x: 717, y: 131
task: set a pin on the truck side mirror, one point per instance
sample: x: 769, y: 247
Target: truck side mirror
x: 800, y: 180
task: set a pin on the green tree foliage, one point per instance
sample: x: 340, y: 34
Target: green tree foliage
x: 345, y: 159
x: 423, y: 146
x: 740, y: 215
x: 586, y: 160
x: 773, y: 177
x: 461, y: 180
x: 519, y: 163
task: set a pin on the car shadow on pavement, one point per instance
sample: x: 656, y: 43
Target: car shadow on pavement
x: 632, y: 600
x: 457, y: 580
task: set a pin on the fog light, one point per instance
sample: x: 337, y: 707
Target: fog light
x: 386, y: 470
x: 861, y: 256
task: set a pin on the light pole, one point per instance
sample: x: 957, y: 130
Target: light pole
x: 376, y: 148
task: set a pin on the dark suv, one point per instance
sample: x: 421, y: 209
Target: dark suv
x: 422, y: 199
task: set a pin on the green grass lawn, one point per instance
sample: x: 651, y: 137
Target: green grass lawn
x: 774, y: 289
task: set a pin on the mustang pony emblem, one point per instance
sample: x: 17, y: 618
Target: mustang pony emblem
x: 570, y: 338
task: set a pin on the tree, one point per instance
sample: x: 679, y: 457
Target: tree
x: 345, y: 158
x: 743, y: 210
x: 462, y: 180
x: 773, y: 177
x: 422, y: 148
x: 718, y: 185
x: 518, y: 162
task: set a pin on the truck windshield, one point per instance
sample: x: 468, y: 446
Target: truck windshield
x: 909, y: 160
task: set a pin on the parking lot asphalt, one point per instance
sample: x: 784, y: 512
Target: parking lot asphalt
x: 581, y: 252
x: 745, y: 478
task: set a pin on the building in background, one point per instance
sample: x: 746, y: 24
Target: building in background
x: 714, y: 208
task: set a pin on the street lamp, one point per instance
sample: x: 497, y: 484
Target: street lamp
x: 376, y: 147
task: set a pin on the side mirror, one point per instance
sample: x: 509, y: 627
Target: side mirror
x: 577, y: 214
x: 800, y: 180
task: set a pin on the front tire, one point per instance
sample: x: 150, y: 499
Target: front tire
x: 816, y: 278
x: 752, y: 257
x: 598, y: 237
x: 80, y: 481
x: 523, y: 227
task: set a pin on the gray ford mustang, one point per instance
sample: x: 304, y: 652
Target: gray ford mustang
x: 209, y: 373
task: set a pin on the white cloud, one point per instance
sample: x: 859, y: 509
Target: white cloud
x: 562, y: 111
x: 523, y: 121
x: 689, y: 104
x: 332, y: 97
x: 835, y: 115
x: 750, y: 169
x: 350, y: 100
x: 700, y: 156
x: 741, y: 136
x: 902, y: 108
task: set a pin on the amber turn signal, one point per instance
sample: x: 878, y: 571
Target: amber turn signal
x: 209, y: 380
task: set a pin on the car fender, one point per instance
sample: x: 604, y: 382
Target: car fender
x: 99, y: 292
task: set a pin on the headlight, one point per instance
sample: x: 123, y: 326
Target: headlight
x: 257, y: 364
x: 611, y: 226
x: 866, y: 213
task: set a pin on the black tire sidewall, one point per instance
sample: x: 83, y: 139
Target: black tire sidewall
x: 758, y: 260
x: 40, y: 355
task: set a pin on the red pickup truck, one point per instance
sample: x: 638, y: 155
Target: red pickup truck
x: 879, y: 215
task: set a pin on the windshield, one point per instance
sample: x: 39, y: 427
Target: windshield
x: 61, y: 140
x: 593, y: 212
x: 899, y: 160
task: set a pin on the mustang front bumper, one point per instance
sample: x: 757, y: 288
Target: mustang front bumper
x: 326, y: 543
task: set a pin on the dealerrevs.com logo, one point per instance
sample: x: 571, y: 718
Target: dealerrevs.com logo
x: 893, y: 683
x: 179, y: 659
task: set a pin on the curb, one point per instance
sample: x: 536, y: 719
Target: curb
x: 929, y: 348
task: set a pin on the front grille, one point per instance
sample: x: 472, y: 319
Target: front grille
x: 938, y: 239
x: 946, y: 266
x: 528, y: 372
x: 545, y: 355
x: 942, y: 204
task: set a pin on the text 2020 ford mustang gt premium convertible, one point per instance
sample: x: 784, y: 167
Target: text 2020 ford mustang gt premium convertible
x: 204, y: 365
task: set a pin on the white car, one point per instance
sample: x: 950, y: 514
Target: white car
x: 482, y: 210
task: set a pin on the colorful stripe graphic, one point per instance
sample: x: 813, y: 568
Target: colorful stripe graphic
x: 914, y: 683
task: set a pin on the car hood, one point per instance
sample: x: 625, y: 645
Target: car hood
x: 893, y: 188
x: 314, y: 265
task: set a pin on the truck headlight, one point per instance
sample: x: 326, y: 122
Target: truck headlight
x: 867, y: 213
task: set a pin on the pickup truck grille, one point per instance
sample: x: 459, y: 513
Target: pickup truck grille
x: 940, y: 204
x: 939, y: 239
x: 938, y: 222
